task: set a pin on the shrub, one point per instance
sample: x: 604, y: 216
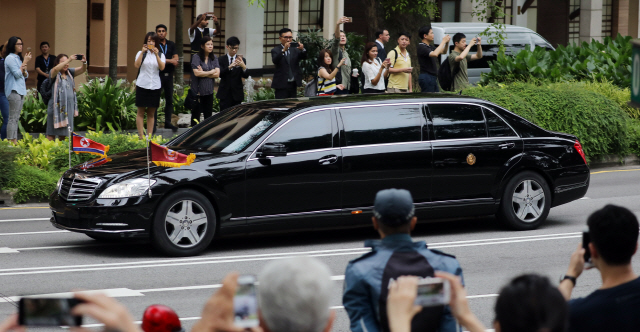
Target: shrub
x: 32, y: 183
x: 33, y: 117
x: 105, y: 105
x: 8, y: 155
x: 599, y: 123
x: 610, y: 60
x: 620, y: 96
x: 38, y: 151
x: 264, y: 94
x: 634, y: 136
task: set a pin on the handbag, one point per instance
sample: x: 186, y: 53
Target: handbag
x: 191, y: 100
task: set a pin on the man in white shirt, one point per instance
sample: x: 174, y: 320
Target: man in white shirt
x: 199, y: 30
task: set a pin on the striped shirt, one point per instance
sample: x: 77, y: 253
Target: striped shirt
x: 326, y: 87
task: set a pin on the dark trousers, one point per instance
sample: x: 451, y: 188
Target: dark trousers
x: 228, y: 102
x: 341, y: 92
x: 167, y: 86
x: 205, y: 107
x: 428, y: 83
x: 289, y: 92
x: 372, y: 91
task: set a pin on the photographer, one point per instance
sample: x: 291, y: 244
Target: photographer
x: 613, y: 231
x: 366, y: 278
x: 63, y: 104
x: 199, y: 30
x: 14, y: 83
x: 149, y: 61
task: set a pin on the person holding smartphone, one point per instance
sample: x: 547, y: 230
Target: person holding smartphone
x: 4, y: 103
x: 343, y: 79
x: 459, y: 58
x: 14, y: 84
x: 199, y: 30
x: 149, y: 61
x: 63, y: 104
x: 286, y: 57
x: 327, y: 73
x: 373, y: 69
x: 233, y: 68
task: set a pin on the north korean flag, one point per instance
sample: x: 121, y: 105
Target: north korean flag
x: 82, y: 144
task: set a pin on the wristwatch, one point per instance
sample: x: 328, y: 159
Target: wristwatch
x: 565, y: 277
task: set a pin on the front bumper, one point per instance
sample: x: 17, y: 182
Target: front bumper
x: 126, y: 217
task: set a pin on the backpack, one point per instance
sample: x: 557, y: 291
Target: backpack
x: 311, y: 88
x: 445, y: 76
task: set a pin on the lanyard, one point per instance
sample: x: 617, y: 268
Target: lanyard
x: 46, y: 62
x: 164, y: 51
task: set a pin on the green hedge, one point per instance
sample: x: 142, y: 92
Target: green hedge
x: 600, y: 124
x: 8, y: 154
x: 33, y: 183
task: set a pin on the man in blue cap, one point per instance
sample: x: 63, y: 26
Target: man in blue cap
x: 367, y: 278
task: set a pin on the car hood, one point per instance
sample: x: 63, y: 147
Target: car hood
x: 133, y: 162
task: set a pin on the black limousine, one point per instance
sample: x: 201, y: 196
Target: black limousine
x: 316, y: 163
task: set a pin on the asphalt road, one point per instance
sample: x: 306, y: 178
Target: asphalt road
x: 36, y: 258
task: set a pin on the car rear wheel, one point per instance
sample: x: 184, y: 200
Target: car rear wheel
x: 526, y: 201
x: 184, y: 224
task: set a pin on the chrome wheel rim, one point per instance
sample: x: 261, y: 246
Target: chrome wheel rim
x: 186, y: 224
x: 528, y: 201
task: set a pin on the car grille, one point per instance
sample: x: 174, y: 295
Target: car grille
x: 78, y: 189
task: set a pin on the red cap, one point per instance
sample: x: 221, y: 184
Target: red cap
x: 160, y: 318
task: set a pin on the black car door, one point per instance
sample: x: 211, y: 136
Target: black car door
x: 295, y: 190
x: 382, y: 148
x: 472, y: 150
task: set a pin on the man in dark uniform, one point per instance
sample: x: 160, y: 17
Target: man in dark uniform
x: 367, y: 278
x: 288, y: 76
x: 199, y: 29
x: 233, y: 68
x: 168, y: 48
x: 44, y: 63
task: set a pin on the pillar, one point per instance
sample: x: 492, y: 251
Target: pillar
x: 333, y: 9
x: 590, y: 20
x: 519, y: 18
x: 203, y: 6
x: 248, y: 26
x: 143, y: 16
x: 294, y: 17
x: 634, y: 14
x: 71, y: 35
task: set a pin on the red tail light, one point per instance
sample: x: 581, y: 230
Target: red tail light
x: 578, y: 148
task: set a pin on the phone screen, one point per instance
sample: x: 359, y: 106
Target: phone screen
x: 48, y: 312
x: 245, y: 303
x: 432, y: 292
x: 586, y: 238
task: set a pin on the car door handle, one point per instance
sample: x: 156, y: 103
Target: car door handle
x: 328, y: 160
x: 506, y: 145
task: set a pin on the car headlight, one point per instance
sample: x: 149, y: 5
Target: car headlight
x: 129, y: 188
x: 59, y: 183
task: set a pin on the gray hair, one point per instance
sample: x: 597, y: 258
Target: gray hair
x: 293, y: 295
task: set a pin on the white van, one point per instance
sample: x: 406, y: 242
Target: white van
x: 517, y: 39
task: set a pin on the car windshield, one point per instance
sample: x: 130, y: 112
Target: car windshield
x: 231, y: 131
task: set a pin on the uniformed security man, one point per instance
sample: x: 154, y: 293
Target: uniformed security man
x: 367, y: 278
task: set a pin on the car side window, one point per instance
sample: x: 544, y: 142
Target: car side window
x: 382, y: 124
x: 309, y: 131
x: 456, y: 121
x: 496, y: 127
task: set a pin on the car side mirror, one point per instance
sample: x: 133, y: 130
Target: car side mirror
x: 273, y: 150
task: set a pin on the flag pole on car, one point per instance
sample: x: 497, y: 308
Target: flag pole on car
x: 148, y: 167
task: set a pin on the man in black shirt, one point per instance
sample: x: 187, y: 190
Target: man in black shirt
x: 44, y: 63
x: 168, y: 48
x: 613, y: 234
x: 427, y: 58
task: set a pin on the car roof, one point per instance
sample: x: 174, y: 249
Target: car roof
x: 477, y: 27
x: 295, y: 104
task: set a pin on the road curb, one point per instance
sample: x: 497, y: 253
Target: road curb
x: 614, y: 160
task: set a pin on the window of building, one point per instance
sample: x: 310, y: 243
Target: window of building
x: 276, y: 17
x: 310, y: 15
x: 607, y: 18
x: 449, y: 11
x: 382, y: 124
x: 456, y: 121
x: 310, y: 131
x: 574, y: 21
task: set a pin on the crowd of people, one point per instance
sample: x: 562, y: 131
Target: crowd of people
x: 156, y: 61
x: 381, y: 287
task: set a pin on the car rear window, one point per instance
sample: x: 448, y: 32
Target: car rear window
x: 496, y: 127
x: 382, y: 124
x: 457, y: 121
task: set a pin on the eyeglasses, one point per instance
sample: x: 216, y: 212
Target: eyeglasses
x: 235, y: 48
x: 18, y: 44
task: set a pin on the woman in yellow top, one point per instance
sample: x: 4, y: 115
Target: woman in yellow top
x: 327, y: 74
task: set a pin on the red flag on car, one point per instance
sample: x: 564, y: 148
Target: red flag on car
x: 82, y: 144
x: 163, y: 156
x: 94, y: 163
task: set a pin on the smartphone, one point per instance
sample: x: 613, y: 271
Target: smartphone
x: 350, y: 19
x: 208, y: 18
x: 433, y: 292
x: 78, y: 56
x: 151, y: 47
x: 48, y: 312
x: 294, y: 45
x: 586, y: 238
x: 245, y: 303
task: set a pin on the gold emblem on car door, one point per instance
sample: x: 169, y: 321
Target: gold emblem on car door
x: 471, y: 159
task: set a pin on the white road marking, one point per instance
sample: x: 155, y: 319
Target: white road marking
x: 113, y: 292
x: 585, y: 198
x: 5, y: 250
x: 33, y: 233
x: 261, y: 257
x: 29, y: 219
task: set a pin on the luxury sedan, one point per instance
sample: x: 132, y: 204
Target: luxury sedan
x: 317, y: 163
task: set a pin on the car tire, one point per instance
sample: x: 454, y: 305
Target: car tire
x: 184, y: 224
x: 526, y: 201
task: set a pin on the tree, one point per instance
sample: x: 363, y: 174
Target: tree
x: 113, y: 43
x: 179, y: 77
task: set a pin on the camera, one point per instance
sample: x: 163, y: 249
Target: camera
x: 294, y: 45
x: 78, y: 56
x: 245, y: 303
x: 48, y: 312
x: 586, y: 238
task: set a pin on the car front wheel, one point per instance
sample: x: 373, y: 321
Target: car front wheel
x: 184, y: 224
x: 526, y: 201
